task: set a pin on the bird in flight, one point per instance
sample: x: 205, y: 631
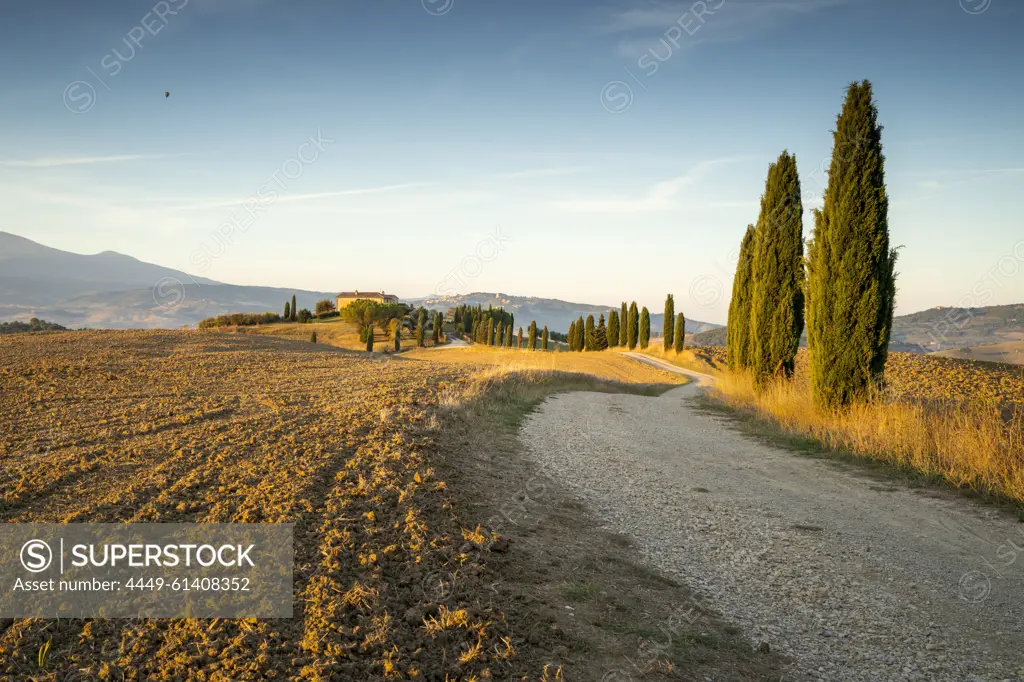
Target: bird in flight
x: 167, y: 94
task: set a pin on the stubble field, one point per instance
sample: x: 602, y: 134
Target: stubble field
x: 200, y: 427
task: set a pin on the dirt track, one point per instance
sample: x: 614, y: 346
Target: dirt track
x: 855, y: 578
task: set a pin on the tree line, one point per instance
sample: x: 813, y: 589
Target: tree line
x: 843, y: 289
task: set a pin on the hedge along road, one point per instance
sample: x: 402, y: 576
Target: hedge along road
x: 854, y: 578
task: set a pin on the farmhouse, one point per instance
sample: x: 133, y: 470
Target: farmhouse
x: 347, y: 297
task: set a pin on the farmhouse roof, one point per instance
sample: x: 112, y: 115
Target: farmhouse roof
x: 358, y: 294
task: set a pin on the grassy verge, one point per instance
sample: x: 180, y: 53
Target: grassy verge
x: 974, y: 447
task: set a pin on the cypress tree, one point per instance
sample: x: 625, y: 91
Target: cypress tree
x: 852, y: 278
x: 287, y: 311
x: 369, y: 339
x: 467, y: 322
x: 738, y: 333
x: 397, y: 334
x: 544, y: 338
x: 312, y: 337
x: 613, y: 328
x: 490, y: 332
x: 581, y: 334
x: 508, y: 336
x: 571, y: 336
x: 588, y: 337
x: 668, y: 325
x: 645, y: 328
x: 421, y: 324
x: 680, y: 333
x: 777, y: 275
x: 623, y: 326
x: 519, y: 342
x: 633, y: 330
x: 533, y: 334
x: 600, y: 335
x: 295, y: 311
x: 499, y: 335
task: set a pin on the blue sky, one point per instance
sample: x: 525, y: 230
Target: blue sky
x: 591, y: 151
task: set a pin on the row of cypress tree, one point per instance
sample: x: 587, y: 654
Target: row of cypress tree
x: 845, y: 286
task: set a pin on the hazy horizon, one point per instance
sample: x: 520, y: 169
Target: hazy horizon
x: 448, y: 147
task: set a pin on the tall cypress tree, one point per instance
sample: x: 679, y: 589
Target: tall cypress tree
x: 777, y: 304
x: 519, y: 344
x: 369, y: 339
x: 600, y: 335
x: 287, y: 311
x: 295, y: 312
x: 437, y: 328
x: 499, y: 335
x: 738, y: 332
x: 588, y: 335
x: 570, y: 337
x: 852, y: 278
x: 668, y: 325
x: 613, y: 328
x: 581, y: 336
x: 421, y: 323
x: 544, y: 339
x: 623, y: 326
x: 633, y: 329
x: 533, y: 335
x: 680, y: 333
x: 490, y: 332
x: 645, y: 328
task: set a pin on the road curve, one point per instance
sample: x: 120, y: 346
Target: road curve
x: 853, y: 577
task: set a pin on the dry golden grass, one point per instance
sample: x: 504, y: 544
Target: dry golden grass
x: 969, y: 444
x: 203, y: 427
x: 603, y: 365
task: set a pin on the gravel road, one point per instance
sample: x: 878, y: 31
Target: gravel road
x: 853, y: 577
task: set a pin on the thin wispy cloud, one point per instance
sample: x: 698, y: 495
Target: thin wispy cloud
x: 661, y: 196
x: 295, y: 198
x: 642, y: 23
x: 542, y: 172
x: 58, y: 161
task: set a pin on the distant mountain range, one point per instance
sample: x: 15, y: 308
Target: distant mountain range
x: 112, y: 290
x: 554, y: 313
x: 936, y: 329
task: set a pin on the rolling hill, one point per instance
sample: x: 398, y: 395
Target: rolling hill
x: 995, y: 333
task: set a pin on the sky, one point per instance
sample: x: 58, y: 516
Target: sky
x: 584, y: 150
